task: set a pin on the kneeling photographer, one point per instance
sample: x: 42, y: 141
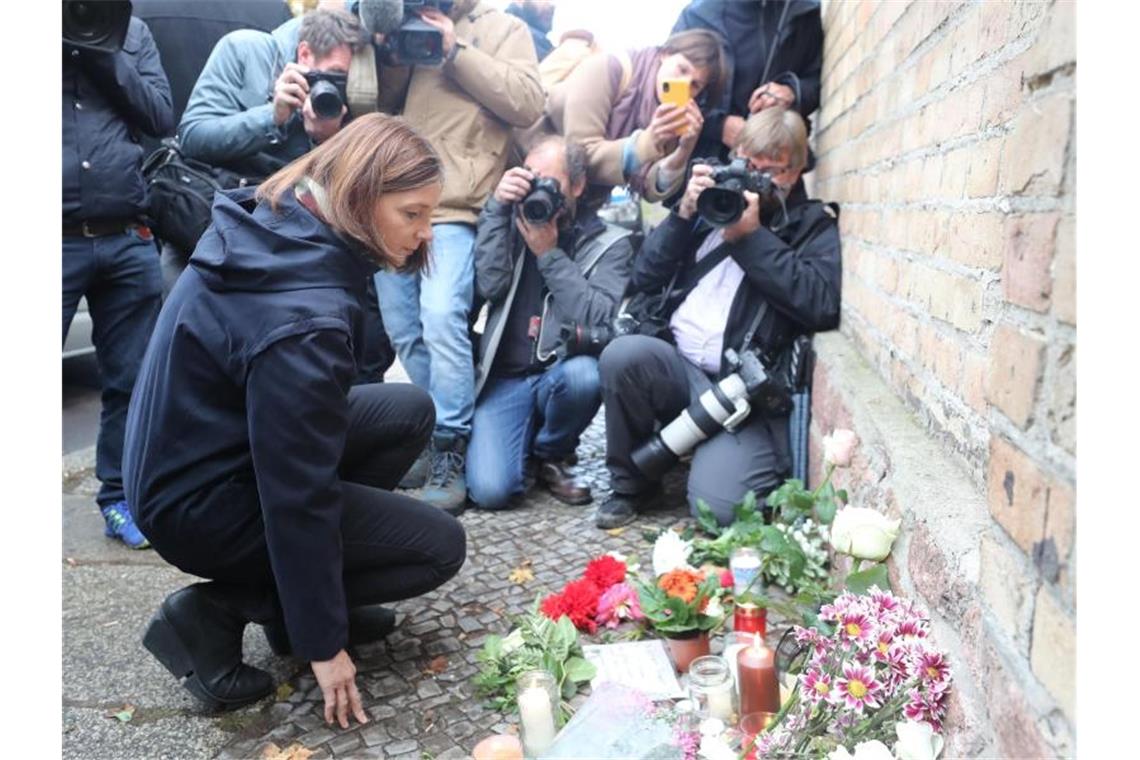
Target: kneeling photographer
x: 742, y: 270
x: 547, y: 272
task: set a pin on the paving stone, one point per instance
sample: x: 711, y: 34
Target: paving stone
x: 402, y: 746
x: 316, y: 738
x: 458, y: 753
x: 345, y: 744
x: 428, y: 689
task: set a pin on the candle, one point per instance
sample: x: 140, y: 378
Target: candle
x: 759, y: 682
x: 536, y: 713
x: 745, y: 566
x: 710, y: 684
x: 720, y: 703
x: 750, y: 618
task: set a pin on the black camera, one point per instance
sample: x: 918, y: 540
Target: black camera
x: 96, y: 24
x: 724, y: 203
x: 327, y: 92
x: 418, y: 42
x: 544, y: 200
x: 590, y: 340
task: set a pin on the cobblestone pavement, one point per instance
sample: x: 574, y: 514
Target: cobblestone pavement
x: 416, y: 712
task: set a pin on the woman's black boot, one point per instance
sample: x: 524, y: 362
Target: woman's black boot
x: 196, y: 634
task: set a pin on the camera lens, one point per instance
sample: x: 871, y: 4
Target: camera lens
x: 539, y: 207
x: 326, y: 101
x: 96, y: 24
x: 720, y: 206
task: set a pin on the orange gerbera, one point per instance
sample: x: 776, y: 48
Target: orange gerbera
x: 681, y: 583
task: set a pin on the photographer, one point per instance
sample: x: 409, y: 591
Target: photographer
x: 486, y: 83
x: 774, y: 275
x: 568, y: 269
x: 111, y: 98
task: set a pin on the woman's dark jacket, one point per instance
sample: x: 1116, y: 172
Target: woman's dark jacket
x: 802, y: 288
x: 245, y: 381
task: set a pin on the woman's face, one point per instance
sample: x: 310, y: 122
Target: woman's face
x: 677, y: 66
x: 404, y: 219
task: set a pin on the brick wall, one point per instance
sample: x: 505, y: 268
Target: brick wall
x: 946, y: 132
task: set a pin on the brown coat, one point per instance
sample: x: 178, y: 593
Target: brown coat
x: 466, y: 108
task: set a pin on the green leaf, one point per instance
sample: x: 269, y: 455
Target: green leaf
x: 706, y: 519
x: 825, y: 509
x: 651, y: 535
x: 579, y: 669
x: 875, y: 575
x: 746, y: 509
x: 842, y: 494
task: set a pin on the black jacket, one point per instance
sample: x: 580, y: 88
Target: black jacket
x: 245, y: 381
x: 109, y: 101
x: 802, y: 289
x: 749, y: 27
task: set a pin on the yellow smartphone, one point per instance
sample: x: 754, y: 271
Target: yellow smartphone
x: 676, y: 92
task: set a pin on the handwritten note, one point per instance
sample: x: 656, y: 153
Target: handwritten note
x: 641, y: 665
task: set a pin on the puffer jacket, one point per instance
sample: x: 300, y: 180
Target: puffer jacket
x: 467, y: 107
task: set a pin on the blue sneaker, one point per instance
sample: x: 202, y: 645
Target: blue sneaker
x: 122, y: 526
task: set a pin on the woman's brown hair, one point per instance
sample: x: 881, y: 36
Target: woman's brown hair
x: 704, y: 50
x: 373, y: 155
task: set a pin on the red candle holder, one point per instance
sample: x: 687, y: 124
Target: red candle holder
x: 750, y: 618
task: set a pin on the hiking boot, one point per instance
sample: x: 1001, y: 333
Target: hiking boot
x: 122, y: 526
x: 556, y: 478
x: 197, y: 635
x: 417, y: 474
x: 621, y: 509
x: 446, y: 485
x: 365, y: 625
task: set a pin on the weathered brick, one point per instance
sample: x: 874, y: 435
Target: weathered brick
x: 1003, y: 91
x: 1052, y: 554
x: 1034, y: 158
x: 1063, y: 400
x: 1005, y: 585
x: 1065, y: 272
x: 1026, y: 279
x: 974, y: 239
x: 1056, y: 43
x: 1053, y: 654
x: 1015, y: 369
x: 975, y: 378
x: 985, y: 161
x: 1017, y: 730
x: 1017, y: 493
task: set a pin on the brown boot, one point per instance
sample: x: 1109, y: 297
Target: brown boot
x: 557, y: 478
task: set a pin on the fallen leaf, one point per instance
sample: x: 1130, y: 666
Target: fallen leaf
x: 124, y: 715
x: 437, y: 665
x: 71, y: 561
x: 522, y: 573
x: 294, y: 751
x: 284, y: 691
x: 616, y: 531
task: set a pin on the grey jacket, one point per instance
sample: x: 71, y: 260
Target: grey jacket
x: 585, y: 285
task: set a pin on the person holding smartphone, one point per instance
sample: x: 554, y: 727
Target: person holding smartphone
x: 250, y: 458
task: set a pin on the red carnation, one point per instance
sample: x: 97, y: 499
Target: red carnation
x: 554, y: 606
x: 580, y: 604
x: 726, y: 580
x: 605, y: 571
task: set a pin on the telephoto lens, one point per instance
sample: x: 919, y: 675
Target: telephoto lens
x: 326, y: 99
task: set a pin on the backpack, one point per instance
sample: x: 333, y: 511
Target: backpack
x: 181, y: 193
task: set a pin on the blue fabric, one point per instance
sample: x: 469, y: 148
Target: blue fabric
x: 108, y: 100
x: 119, y: 274
x: 559, y: 402
x: 229, y: 118
x: 245, y: 383
x: 426, y: 318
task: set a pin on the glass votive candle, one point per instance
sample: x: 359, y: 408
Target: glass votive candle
x: 752, y: 725
x: 538, y: 706
x: 711, y: 688
x: 744, y: 562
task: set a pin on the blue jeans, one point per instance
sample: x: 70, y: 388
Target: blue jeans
x: 563, y: 399
x: 426, y: 318
x: 120, y: 276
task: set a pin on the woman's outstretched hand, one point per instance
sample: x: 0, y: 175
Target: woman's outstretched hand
x: 337, y: 679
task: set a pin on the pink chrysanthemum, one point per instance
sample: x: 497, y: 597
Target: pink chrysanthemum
x: 929, y: 706
x: 818, y: 686
x: 911, y: 629
x: 933, y: 668
x: 855, y: 626
x: 618, y: 603
x: 858, y: 687
x: 883, y: 646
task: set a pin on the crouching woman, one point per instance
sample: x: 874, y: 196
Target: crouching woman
x: 252, y: 461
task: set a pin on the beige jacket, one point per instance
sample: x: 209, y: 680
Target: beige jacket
x: 466, y: 108
x: 579, y: 108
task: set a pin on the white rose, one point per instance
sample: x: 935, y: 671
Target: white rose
x: 863, y: 533
x: 917, y: 741
x: 671, y: 552
x: 839, y: 447
x: 839, y: 753
x: 714, y: 608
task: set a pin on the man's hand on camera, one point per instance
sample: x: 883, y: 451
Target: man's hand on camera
x: 748, y: 222
x: 700, y: 181
x: 289, y: 92
x: 769, y: 95
x: 444, y: 24
x: 539, y: 238
x: 320, y: 129
x: 514, y: 185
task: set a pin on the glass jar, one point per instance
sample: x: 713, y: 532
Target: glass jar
x: 711, y: 688
x: 538, y: 711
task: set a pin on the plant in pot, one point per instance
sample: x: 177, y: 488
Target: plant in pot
x: 683, y: 605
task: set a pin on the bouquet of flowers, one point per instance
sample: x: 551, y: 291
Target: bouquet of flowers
x: 602, y: 596
x: 878, y: 668
x: 682, y: 599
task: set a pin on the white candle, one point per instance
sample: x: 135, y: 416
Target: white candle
x: 730, y: 652
x: 720, y: 703
x: 537, y: 720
